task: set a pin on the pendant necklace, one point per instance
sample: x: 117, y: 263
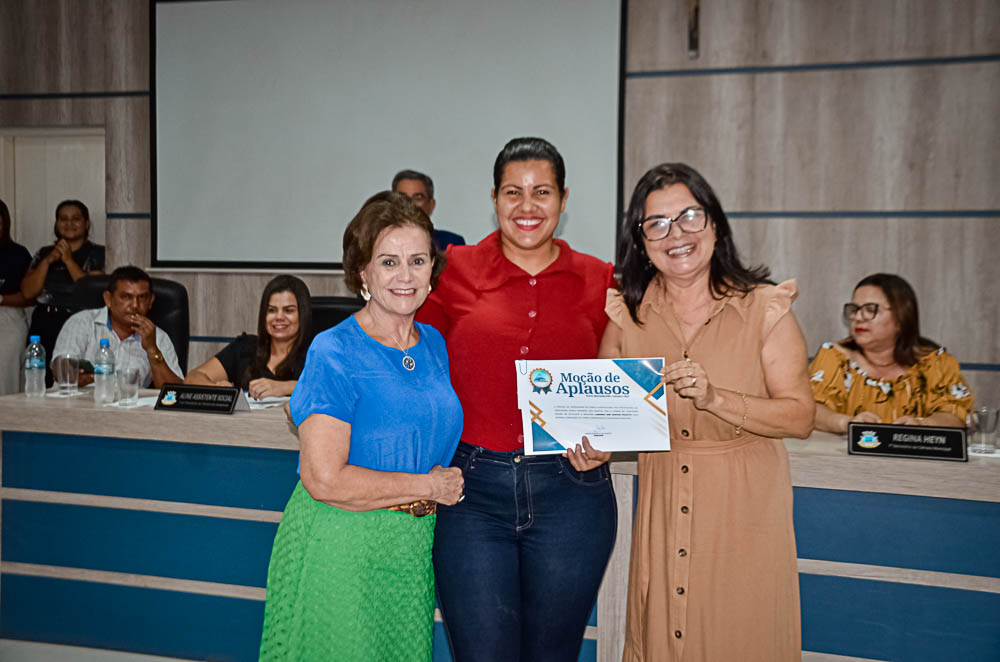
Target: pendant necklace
x: 408, y: 361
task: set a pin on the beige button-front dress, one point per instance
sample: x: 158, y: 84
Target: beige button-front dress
x: 713, y: 574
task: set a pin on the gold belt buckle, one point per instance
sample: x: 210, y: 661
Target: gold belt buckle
x: 420, y: 508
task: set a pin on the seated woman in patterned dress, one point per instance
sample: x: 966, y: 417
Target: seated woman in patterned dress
x: 885, y: 371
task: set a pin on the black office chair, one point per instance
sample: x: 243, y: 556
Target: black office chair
x: 169, y: 310
x: 331, y: 311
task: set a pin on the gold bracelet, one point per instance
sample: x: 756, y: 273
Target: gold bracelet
x: 746, y: 410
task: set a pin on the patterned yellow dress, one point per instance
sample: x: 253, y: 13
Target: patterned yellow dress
x: 934, y: 384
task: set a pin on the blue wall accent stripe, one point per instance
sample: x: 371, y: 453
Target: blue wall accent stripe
x: 73, y: 95
x: 148, y: 621
x: 127, y: 215
x: 160, y: 544
x: 986, y: 367
x: 854, y: 213
x: 225, y: 339
x: 819, y: 66
x: 888, y: 621
x: 260, y: 479
x: 923, y: 533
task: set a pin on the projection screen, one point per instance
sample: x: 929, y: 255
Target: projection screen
x: 274, y: 121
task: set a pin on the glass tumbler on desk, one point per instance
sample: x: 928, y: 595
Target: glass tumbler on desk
x: 66, y: 372
x: 128, y: 386
x: 982, y: 429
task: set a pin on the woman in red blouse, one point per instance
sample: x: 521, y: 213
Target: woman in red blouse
x: 519, y: 560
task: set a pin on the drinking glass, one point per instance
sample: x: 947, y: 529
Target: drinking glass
x: 66, y: 372
x: 128, y: 386
x: 982, y: 427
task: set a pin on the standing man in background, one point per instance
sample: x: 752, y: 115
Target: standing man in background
x: 419, y: 188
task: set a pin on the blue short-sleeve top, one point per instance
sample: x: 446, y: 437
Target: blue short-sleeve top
x: 401, y: 420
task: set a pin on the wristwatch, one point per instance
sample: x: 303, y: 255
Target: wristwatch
x: 156, y: 357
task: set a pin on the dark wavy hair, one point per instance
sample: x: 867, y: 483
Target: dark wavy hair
x: 291, y: 366
x: 727, y: 275
x: 4, y: 224
x: 910, y: 345
x: 381, y: 211
x: 83, y: 210
x: 530, y: 149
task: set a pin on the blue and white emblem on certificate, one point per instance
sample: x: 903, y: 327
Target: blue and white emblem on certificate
x: 618, y: 404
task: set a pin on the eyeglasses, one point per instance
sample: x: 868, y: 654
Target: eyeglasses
x: 692, y: 219
x: 867, y: 311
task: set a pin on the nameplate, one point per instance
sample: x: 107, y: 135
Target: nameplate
x: 205, y: 399
x: 921, y: 442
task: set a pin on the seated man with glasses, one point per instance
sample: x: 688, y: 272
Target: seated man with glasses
x: 885, y: 371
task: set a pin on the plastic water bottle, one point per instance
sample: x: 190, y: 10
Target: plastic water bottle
x: 104, y: 374
x: 34, y: 368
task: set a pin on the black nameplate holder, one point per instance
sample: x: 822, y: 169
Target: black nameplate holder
x: 205, y: 399
x: 913, y: 441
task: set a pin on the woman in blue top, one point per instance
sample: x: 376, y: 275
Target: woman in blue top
x: 350, y: 576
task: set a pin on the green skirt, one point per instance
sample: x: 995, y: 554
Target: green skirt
x: 349, y: 586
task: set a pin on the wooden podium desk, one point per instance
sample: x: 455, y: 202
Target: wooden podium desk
x: 150, y: 531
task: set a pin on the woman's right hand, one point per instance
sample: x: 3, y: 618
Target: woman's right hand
x: 447, y: 484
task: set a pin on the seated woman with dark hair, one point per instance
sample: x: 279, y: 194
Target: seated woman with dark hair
x: 268, y: 364
x: 885, y: 371
x: 56, y: 267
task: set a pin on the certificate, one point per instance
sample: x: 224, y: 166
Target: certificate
x: 618, y: 404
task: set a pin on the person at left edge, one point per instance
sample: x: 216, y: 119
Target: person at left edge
x: 268, y: 364
x: 350, y: 577
x: 14, y: 261
x: 133, y: 337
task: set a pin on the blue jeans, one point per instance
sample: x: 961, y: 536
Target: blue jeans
x: 518, y: 562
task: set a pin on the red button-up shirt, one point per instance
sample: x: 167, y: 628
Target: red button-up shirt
x: 492, y: 313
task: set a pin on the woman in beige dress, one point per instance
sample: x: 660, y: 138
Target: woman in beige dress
x: 713, y: 571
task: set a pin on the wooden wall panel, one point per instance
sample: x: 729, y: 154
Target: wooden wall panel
x: 872, y: 139
x: 782, y: 32
x: 128, y: 146
x: 985, y: 386
x: 128, y: 54
x: 950, y: 263
x: 74, y: 45
x: 127, y: 242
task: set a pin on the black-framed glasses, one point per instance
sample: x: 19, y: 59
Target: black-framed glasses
x: 692, y: 219
x: 865, y: 312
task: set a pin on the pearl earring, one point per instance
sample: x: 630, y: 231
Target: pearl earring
x: 365, y: 294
